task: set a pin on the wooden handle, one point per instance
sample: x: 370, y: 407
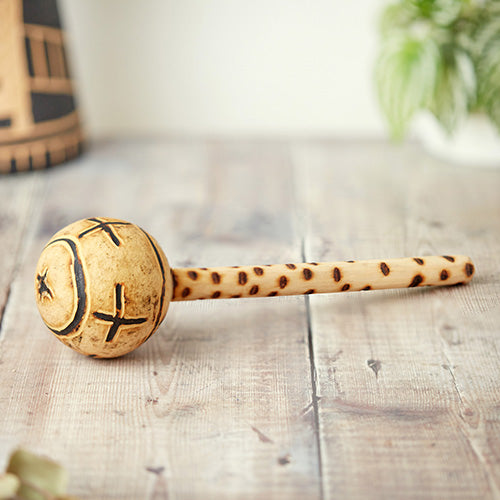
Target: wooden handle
x: 312, y: 277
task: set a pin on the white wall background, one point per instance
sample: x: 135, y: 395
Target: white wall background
x: 225, y: 67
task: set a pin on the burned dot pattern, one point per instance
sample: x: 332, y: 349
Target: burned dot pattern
x: 269, y: 280
x: 469, y: 269
x: 385, y: 269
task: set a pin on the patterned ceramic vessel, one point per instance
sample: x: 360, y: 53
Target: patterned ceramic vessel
x: 39, y: 124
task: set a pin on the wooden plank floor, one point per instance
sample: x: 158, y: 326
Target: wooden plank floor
x: 380, y: 395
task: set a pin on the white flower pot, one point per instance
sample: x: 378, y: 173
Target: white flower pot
x: 476, y: 142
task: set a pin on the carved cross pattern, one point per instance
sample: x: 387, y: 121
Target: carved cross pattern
x: 106, y: 227
x: 117, y: 319
x: 42, y: 285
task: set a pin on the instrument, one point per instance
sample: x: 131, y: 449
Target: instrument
x: 103, y: 285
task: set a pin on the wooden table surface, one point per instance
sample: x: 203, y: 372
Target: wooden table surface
x: 381, y: 395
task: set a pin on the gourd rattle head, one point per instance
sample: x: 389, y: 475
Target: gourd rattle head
x: 103, y: 286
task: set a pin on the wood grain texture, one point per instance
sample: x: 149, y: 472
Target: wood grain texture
x: 18, y: 201
x: 407, y: 381
x: 388, y: 395
x: 214, y: 405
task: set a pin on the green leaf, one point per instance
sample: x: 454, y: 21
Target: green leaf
x: 405, y: 76
x: 396, y: 17
x: 40, y: 477
x: 488, y: 68
x: 9, y: 485
x: 441, y: 55
x: 487, y: 33
x: 455, y: 91
x: 490, y: 87
x: 441, y: 12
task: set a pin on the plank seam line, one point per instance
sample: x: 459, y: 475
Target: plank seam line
x: 20, y: 254
x: 469, y: 437
x: 4, y: 307
x: 314, y: 375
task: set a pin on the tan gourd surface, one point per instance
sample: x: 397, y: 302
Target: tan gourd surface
x: 103, y: 285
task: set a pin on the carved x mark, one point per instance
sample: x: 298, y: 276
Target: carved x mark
x: 117, y: 319
x: 106, y: 227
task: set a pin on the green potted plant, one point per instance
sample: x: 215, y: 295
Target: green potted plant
x: 443, y: 57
